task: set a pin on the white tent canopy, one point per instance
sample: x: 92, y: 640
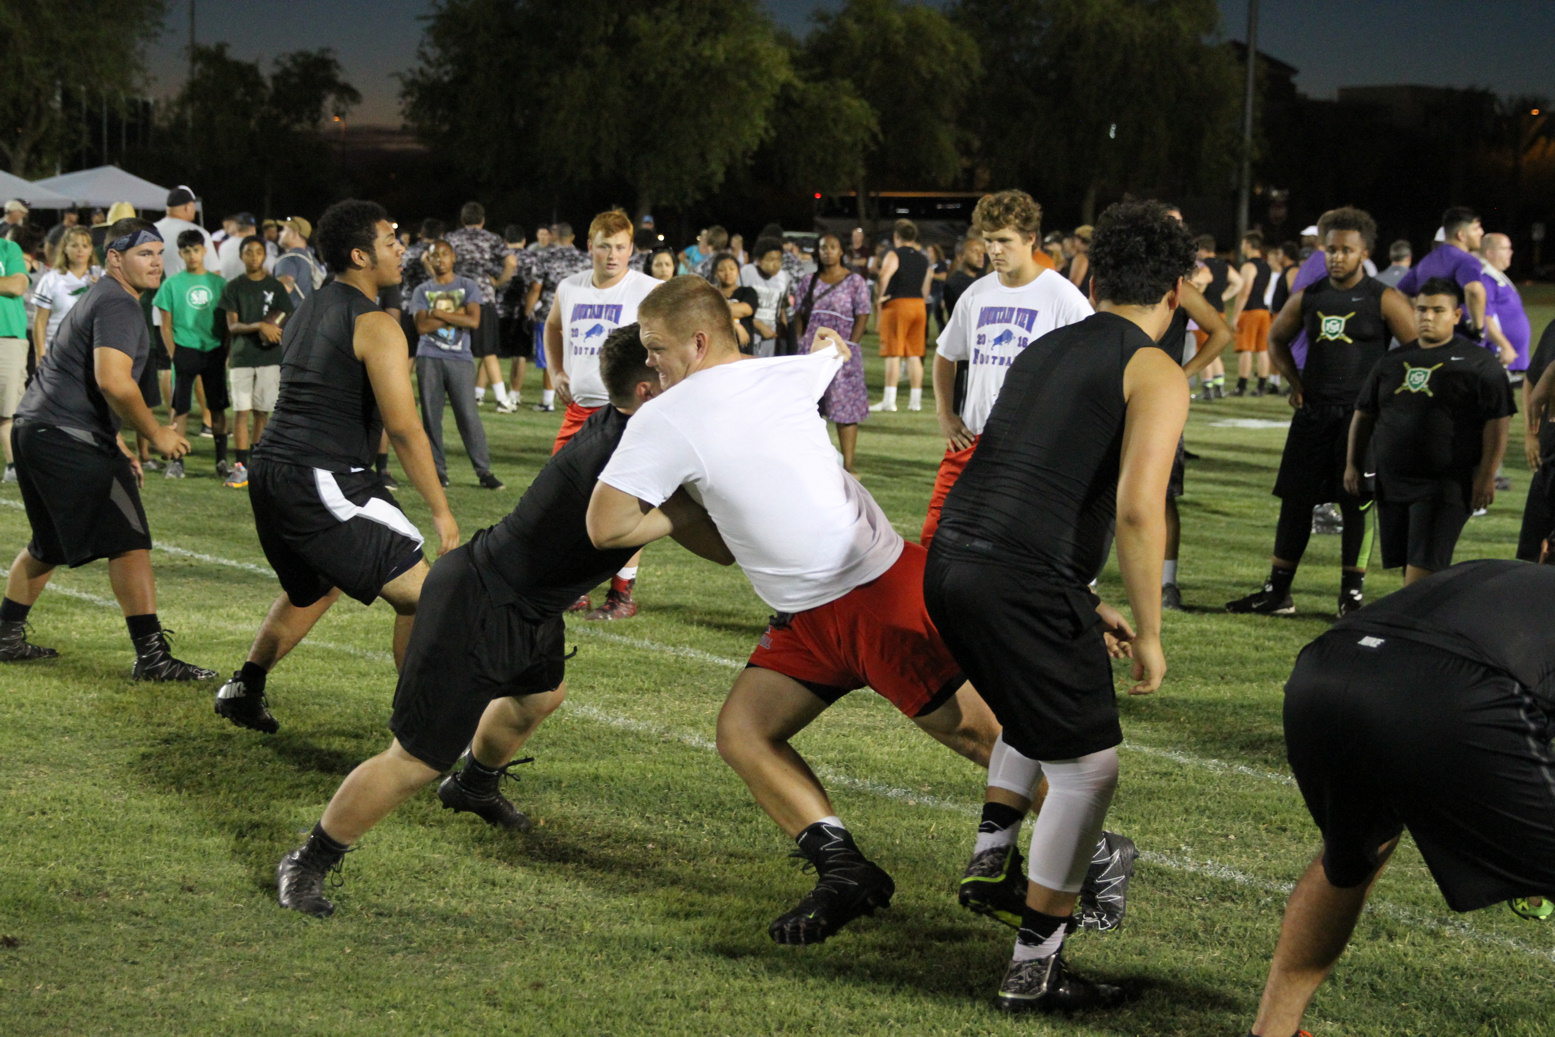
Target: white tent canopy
x: 35, y: 196
x: 105, y: 185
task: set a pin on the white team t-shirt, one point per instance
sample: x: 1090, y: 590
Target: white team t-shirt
x: 993, y: 324
x: 57, y: 291
x: 746, y: 441
x: 588, y: 316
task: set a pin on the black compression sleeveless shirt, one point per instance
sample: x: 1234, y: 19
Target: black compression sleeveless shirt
x: 1041, y: 490
x: 1175, y: 340
x: 1261, y: 275
x: 1219, y: 277
x: 1346, y: 336
x: 912, y: 266
x: 326, y: 415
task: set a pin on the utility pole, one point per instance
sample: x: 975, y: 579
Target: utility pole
x: 1245, y: 198
x: 189, y: 110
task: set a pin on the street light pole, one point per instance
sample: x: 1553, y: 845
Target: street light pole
x: 1245, y: 197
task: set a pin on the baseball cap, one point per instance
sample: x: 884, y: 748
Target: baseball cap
x: 245, y: 219
x: 1309, y: 231
x: 1441, y: 234
x: 180, y: 195
x: 16, y: 205
x: 298, y: 224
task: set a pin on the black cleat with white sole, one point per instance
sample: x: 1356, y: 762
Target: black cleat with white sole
x: 244, y: 707
x: 1047, y: 985
x: 994, y: 884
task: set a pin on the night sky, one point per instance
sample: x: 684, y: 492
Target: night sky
x: 1499, y: 45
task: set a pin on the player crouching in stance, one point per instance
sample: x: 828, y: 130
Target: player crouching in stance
x: 485, y: 658
x: 1080, y: 441
x: 1454, y: 667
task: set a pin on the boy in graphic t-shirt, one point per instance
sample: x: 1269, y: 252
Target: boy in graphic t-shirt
x: 188, y: 302
x: 257, y: 305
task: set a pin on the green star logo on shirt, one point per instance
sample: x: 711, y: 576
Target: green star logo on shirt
x: 1417, y: 379
x: 1331, y: 329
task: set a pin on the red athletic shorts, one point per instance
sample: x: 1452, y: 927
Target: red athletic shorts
x: 878, y: 635
x: 950, y: 469
x: 572, y: 420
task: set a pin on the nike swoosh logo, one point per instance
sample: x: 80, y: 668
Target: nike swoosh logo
x: 1455, y: 358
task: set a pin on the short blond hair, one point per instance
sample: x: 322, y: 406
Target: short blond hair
x: 61, y: 262
x: 688, y: 304
x: 1016, y: 209
x: 610, y: 223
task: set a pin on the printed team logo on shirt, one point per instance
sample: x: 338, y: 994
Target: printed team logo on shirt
x: 1417, y: 379
x: 449, y: 300
x: 200, y: 296
x: 1010, y: 341
x: 1331, y: 329
x: 588, y: 338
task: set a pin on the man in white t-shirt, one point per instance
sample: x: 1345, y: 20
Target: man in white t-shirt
x: 181, y: 210
x: 994, y: 321
x: 744, y: 438
x: 589, y: 305
x: 766, y: 274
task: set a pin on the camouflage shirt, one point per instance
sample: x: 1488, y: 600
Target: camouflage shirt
x: 412, y: 270
x: 555, y: 263
x: 510, y: 297
x: 478, y: 255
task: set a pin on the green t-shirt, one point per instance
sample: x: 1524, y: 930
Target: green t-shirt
x: 252, y: 301
x: 13, y: 310
x: 192, y: 299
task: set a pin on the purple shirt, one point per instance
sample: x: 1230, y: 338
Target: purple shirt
x: 1313, y: 269
x: 1503, y: 302
x: 1448, y: 261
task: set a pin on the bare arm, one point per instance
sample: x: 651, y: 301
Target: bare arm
x: 532, y: 299
x: 618, y: 519
x: 166, y: 330
x: 928, y: 280
x: 1530, y: 435
x: 1492, y: 451
x: 264, y: 329
x: 115, y: 374
x: 693, y: 529
x: 957, y: 435
x: 1157, y: 408
x: 1474, y: 296
x: 1400, y: 316
x: 14, y: 286
x: 1233, y: 287
x: 1361, y: 426
x: 1504, y: 347
x: 888, y: 267
x: 553, y: 354
x: 1077, y: 268
x: 1206, y: 317
x: 40, y: 332
x: 1281, y: 334
x: 381, y: 346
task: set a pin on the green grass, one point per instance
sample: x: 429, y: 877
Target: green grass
x: 141, y: 832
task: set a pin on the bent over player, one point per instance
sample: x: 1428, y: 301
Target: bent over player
x: 80, y: 484
x: 325, y: 521
x: 485, y: 660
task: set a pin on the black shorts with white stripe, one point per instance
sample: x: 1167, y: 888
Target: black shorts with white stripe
x: 80, y: 495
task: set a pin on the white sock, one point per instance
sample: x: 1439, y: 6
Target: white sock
x: 890, y: 396
x: 832, y: 821
x: 915, y: 398
x: 1169, y: 572
x: 547, y: 397
x: 480, y: 393
x: 992, y: 840
x: 627, y: 572
x: 1046, y: 949
x: 500, y: 391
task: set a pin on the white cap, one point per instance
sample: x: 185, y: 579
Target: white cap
x: 1310, y: 231
x: 1441, y: 234
x: 16, y: 205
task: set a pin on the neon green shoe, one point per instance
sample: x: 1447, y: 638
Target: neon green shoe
x: 1524, y: 907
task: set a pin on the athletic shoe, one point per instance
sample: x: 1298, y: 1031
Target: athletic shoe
x: 1208, y: 395
x: 618, y: 604
x: 1103, y: 895
x: 151, y: 464
x: 1047, y: 985
x: 389, y: 482
x: 1171, y: 598
x: 299, y: 881
x: 1503, y: 483
x: 223, y: 470
x: 1479, y: 513
x: 544, y: 408
x: 1523, y: 909
x: 1326, y: 520
x: 994, y: 884
x: 237, y: 477
x: 883, y: 407
x: 175, y: 470
x: 583, y: 604
x: 507, y: 408
x: 1349, y: 601
x: 14, y: 646
x: 442, y: 479
x: 848, y: 885
x: 915, y: 406
x: 1189, y: 455
x: 491, y: 482
x: 491, y: 807
x: 154, y: 661
x: 1240, y: 390
x: 206, y: 433
x: 1220, y: 392
x: 245, y: 708
x: 1264, y: 602
x: 10, y: 473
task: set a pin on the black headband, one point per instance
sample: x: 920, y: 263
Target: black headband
x: 128, y: 241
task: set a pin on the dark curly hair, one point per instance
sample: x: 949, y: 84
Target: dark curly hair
x: 1350, y: 218
x: 1138, y: 252
x: 623, y: 362
x: 345, y: 227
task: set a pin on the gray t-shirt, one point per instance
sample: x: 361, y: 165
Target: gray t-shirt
x: 295, y: 262
x: 64, y: 392
x: 446, y: 343
x: 1392, y: 275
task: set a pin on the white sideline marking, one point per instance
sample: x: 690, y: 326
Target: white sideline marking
x: 1248, y: 423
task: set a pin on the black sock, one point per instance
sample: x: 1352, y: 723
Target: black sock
x: 383, y: 463
x: 1241, y: 384
x: 1281, y: 579
x: 242, y: 457
x: 221, y: 447
x: 13, y: 611
x: 142, y: 626
x: 997, y: 817
x: 479, y: 778
x: 324, y: 849
x: 822, y: 840
x: 253, y: 677
x: 1350, y: 580
x: 1263, y: 383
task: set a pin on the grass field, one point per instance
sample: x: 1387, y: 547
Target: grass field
x: 139, y: 833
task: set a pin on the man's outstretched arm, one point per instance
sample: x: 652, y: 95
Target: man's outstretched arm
x: 617, y: 519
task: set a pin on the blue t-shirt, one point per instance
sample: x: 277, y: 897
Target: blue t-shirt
x: 446, y: 343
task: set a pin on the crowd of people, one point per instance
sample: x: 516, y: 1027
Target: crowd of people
x: 1062, y: 380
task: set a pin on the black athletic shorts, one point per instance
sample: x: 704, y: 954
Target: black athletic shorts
x: 484, y: 340
x: 1031, y: 647
x: 210, y: 367
x: 324, y: 529
x: 150, y: 385
x: 464, y: 651
x: 1312, y: 466
x: 80, y: 495
x: 1538, y: 512
x: 1385, y: 734
x: 1422, y: 533
x: 514, y: 338
x: 1179, y: 470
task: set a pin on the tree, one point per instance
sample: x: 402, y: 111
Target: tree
x: 87, y: 47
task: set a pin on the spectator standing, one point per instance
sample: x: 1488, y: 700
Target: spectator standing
x: 905, y: 275
x: 481, y: 256
x: 244, y: 226
x: 71, y: 276
x: 556, y: 263
x: 836, y: 297
x: 737, y: 248
x: 771, y: 283
x: 1400, y: 256
x: 67, y: 219
x: 448, y: 309
x: 257, y: 305
x: 1079, y: 273
x: 295, y: 267
x: 514, y: 342
x: 14, y: 284
x: 182, y: 207
x: 971, y: 263
x: 15, y: 214
x: 1506, y: 322
x: 187, y: 303
x: 941, y: 270
x: 542, y: 239
x: 1462, y: 234
x: 859, y: 252
x: 743, y: 299
x: 661, y: 263
x: 717, y: 242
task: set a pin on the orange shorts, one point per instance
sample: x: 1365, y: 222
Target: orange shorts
x: 1200, y: 336
x: 904, y: 324
x: 1252, y: 331
x: 950, y: 469
x: 572, y: 420
x: 878, y: 635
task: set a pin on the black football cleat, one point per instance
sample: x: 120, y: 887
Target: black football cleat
x: 300, y: 880
x: 1350, y: 601
x: 14, y: 646
x: 154, y: 661
x: 994, y: 884
x: 1103, y: 895
x: 489, y: 805
x: 1047, y: 985
x: 245, y: 708
x: 1264, y: 603
x: 848, y: 886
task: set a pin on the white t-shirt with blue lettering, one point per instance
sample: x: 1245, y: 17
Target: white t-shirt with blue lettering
x: 588, y: 316
x: 992, y: 325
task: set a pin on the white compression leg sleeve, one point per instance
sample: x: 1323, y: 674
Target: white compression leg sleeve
x: 1009, y: 770
x: 1064, y: 836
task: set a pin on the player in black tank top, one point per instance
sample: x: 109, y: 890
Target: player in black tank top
x: 325, y: 521
x: 904, y: 274
x: 1028, y: 525
x: 1252, y: 317
x: 1348, y: 318
x: 1224, y: 280
x: 912, y: 266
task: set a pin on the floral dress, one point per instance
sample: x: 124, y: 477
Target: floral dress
x: 838, y: 306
